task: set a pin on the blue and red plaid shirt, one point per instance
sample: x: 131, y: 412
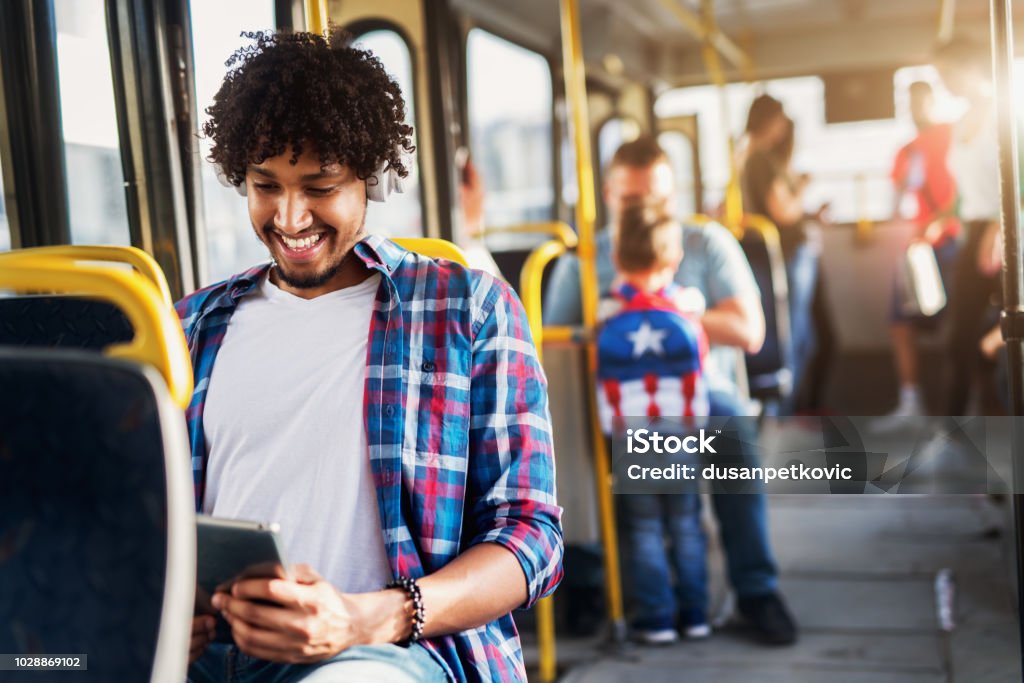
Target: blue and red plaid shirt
x: 457, y: 425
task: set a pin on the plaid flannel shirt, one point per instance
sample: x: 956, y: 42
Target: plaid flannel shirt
x: 457, y: 425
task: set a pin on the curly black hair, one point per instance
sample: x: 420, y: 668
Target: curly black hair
x: 292, y: 90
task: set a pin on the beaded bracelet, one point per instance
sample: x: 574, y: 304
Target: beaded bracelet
x: 412, y: 589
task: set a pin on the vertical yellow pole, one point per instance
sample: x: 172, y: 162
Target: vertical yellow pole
x: 586, y: 209
x: 732, y: 215
x: 530, y: 286
x: 316, y: 15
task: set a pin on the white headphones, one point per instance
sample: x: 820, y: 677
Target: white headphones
x: 379, y: 185
x: 386, y: 180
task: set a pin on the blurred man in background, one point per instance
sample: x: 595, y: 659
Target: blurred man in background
x: 714, y: 264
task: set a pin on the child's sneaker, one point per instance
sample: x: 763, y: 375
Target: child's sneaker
x: 693, y: 624
x: 659, y: 636
x: 697, y: 631
x: 656, y: 632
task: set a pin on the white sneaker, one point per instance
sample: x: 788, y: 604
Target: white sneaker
x: 697, y: 631
x: 661, y: 636
x: 898, y: 418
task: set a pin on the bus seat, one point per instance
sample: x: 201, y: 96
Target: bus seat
x: 60, y: 320
x: 515, y: 244
x: 768, y: 373
x: 156, y: 337
x: 97, y: 529
x: 107, y: 254
x: 432, y: 247
x: 72, y: 321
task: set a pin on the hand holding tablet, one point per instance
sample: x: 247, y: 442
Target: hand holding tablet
x: 229, y: 550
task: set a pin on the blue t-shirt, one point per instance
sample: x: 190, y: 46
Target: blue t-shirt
x: 713, y: 262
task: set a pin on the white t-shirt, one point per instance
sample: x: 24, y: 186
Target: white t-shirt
x: 975, y: 163
x: 285, y: 430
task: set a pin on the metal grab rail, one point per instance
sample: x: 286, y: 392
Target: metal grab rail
x: 316, y: 16
x: 557, y: 229
x: 138, y: 259
x: 530, y: 279
x: 586, y: 210
x: 158, y: 338
x: 713, y: 43
x: 1012, y: 316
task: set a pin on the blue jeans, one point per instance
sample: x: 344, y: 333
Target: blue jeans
x: 743, y: 517
x: 648, y: 520
x: 801, y: 274
x: 364, y: 664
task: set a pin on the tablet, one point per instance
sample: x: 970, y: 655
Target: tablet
x: 229, y: 550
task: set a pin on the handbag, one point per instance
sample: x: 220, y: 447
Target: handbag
x: 920, y: 287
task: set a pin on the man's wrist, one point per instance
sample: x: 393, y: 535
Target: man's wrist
x: 390, y: 611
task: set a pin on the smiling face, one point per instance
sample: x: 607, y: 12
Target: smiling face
x: 309, y: 217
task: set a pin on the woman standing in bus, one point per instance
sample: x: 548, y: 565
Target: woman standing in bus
x: 771, y: 189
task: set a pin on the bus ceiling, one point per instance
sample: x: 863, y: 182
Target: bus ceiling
x: 646, y: 40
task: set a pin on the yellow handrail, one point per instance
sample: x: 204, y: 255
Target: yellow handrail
x: 433, y: 247
x: 564, y: 334
x: 557, y: 229
x: 586, y: 210
x: 140, y: 260
x: 316, y: 16
x: 763, y: 225
x: 158, y: 339
x: 530, y: 279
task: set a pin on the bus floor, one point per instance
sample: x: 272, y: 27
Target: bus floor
x: 859, y: 574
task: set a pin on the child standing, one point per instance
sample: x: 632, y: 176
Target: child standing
x: 650, y: 353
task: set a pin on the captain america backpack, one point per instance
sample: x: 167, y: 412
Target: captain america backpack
x: 650, y: 359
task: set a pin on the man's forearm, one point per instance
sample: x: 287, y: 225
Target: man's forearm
x: 736, y: 321
x: 480, y: 585
x: 477, y: 587
x: 726, y: 328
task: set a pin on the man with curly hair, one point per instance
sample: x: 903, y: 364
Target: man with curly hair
x: 386, y: 409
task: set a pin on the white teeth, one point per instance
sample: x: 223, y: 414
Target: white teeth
x: 304, y: 243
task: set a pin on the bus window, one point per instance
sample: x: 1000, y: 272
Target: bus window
x: 230, y: 243
x: 680, y: 155
x: 510, y: 117
x: 849, y: 162
x: 402, y: 214
x: 95, y: 179
x: 612, y: 135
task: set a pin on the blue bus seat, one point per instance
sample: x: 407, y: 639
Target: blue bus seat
x: 97, y: 527
x: 62, y: 320
x: 768, y: 371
